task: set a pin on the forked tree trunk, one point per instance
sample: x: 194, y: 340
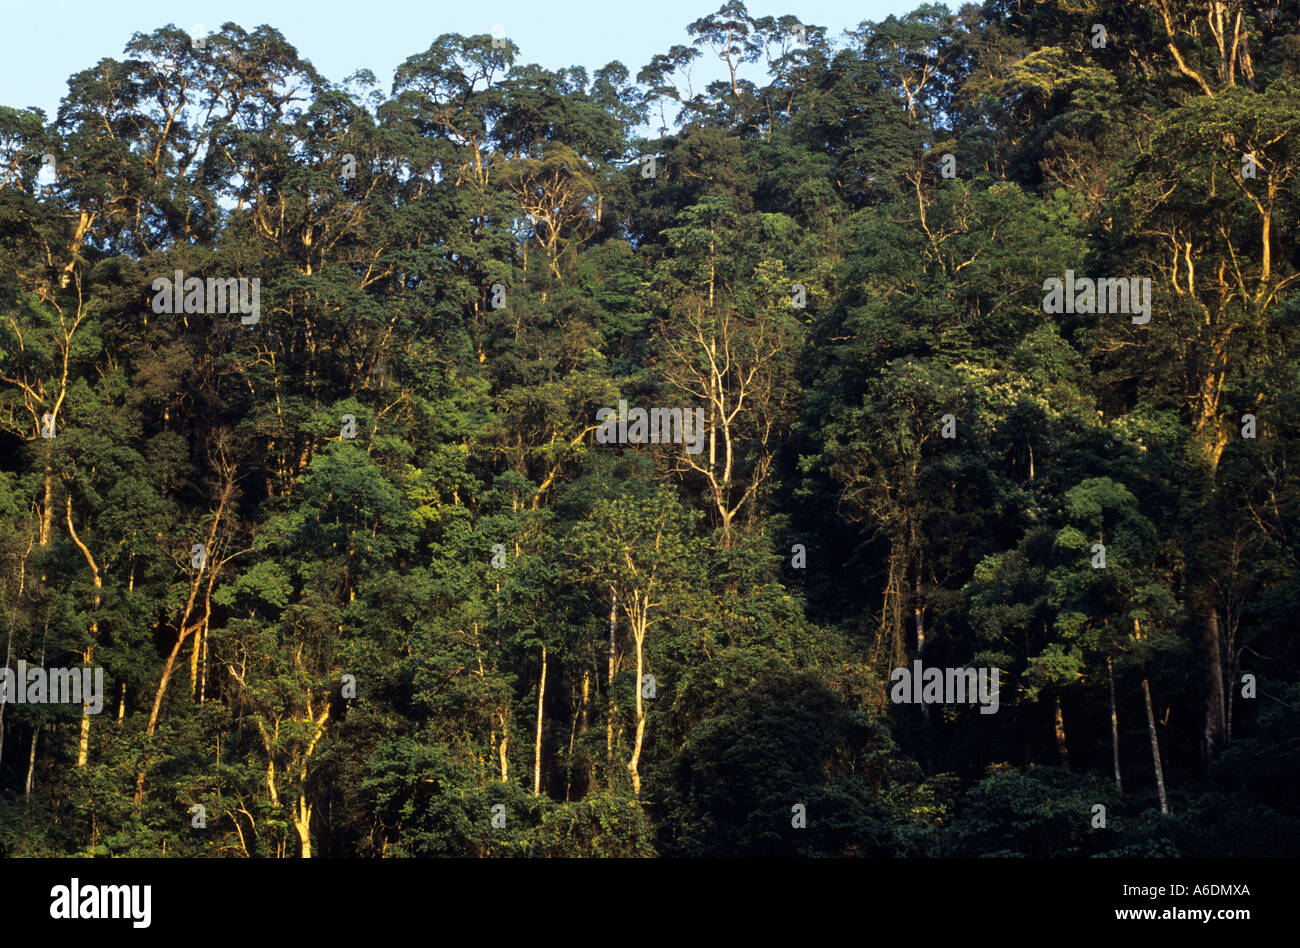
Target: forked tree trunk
x: 638, y: 631
x: 302, y: 823
x: 185, y: 629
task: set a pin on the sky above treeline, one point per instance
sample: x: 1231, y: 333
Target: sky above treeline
x: 43, y: 43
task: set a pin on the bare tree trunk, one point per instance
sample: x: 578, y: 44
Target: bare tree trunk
x: 1114, y: 725
x: 1155, y: 746
x: 537, y: 743
x: 31, y: 767
x: 609, y: 684
x: 1061, y: 747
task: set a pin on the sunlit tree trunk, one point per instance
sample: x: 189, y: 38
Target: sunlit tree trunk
x: 612, y: 706
x: 88, y: 656
x: 537, y: 743
x: 31, y: 767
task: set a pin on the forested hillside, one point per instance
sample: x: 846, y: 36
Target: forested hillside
x: 517, y: 462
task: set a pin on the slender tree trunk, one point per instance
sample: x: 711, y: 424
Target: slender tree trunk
x: 582, y: 723
x: 890, y: 641
x: 504, y: 749
x: 47, y: 514
x: 83, y: 747
x: 586, y: 700
x: 1231, y: 694
x: 31, y: 767
x: 537, y: 743
x: 1061, y: 747
x: 83, y: 744
x: 1215, y: 715
x: 153, y: 714
x: 492, y: 731
x: 573, y: 734
x: 1114, y: 724
x: 31, y: 760
x: 194, y: 666
x: 612, y: 707
x: 919, y: 612
x: 1155, y: 746
x: 203, y: 663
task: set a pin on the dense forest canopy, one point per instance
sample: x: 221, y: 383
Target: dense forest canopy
x: 530, y: 462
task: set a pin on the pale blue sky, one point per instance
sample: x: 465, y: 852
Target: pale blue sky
x: 44, y: 41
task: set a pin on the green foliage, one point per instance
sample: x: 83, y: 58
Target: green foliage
x: 435, y: 613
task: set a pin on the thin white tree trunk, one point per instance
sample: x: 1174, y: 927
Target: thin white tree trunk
x: 537, y: 743
x: 31, y: 766
x: 1155, y: 746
